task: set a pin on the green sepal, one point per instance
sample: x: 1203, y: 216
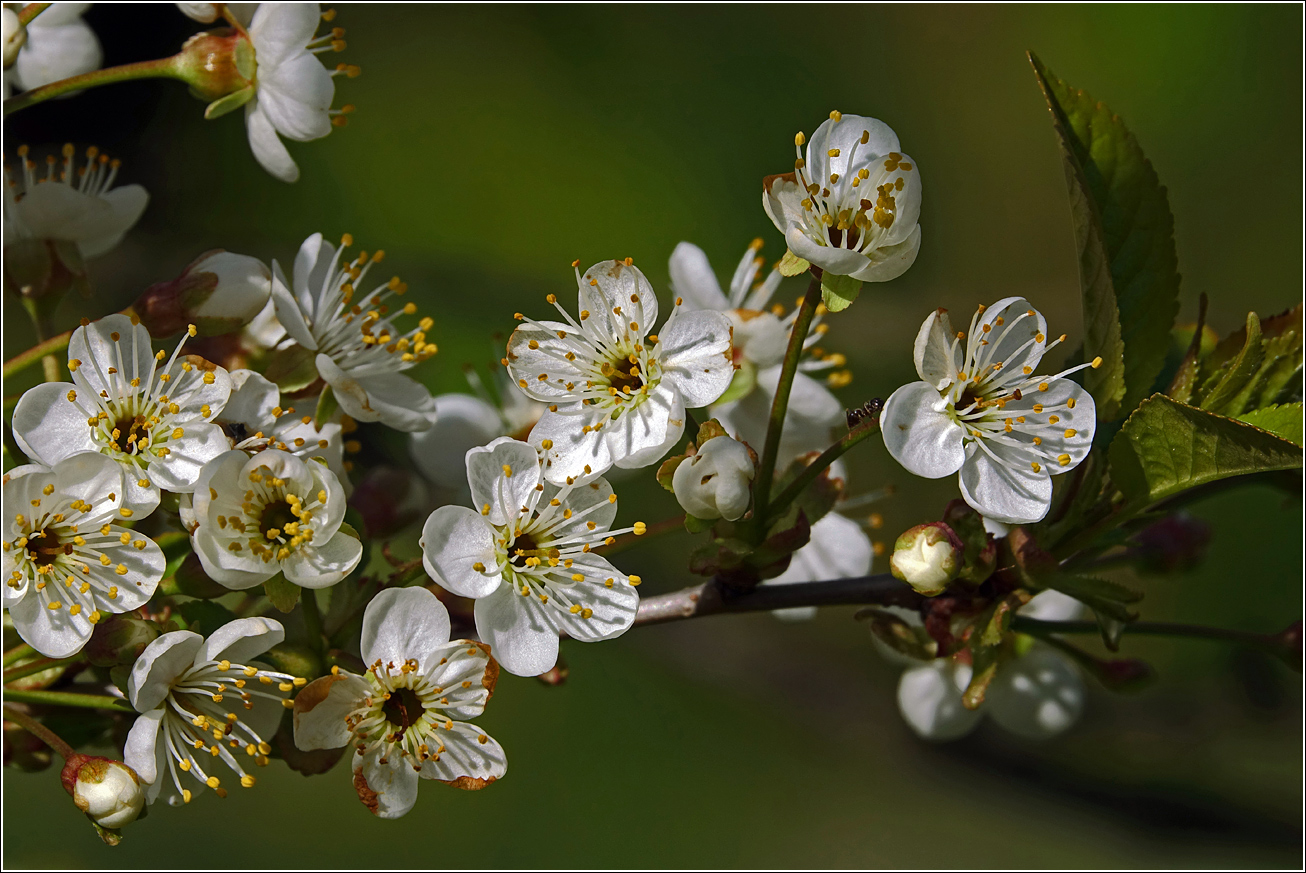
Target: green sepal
x: 292, y: 369
x: 906, y: 639
x: 283, y: 594
x: 792, y: 265
x: 839, y: 292
x: 744, y: 381
x: 234, y: 100
x: 327, y: 406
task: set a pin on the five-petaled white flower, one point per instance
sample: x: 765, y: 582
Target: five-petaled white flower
x: 70, y: 200
x: 153, y: 416
x: 1036, y: 695
x: 272, y: 513
x: 988, y: 415
x: 465, y: 421
x: 617, y: 394
x: 406, y: 717
x: 360, y: 353
x: 58, y: 45
x: 293, y: 91
x: 851, y: 205
x: 525, y: 555
x: 760, y: 339
x: 203, y: 702
x: 67, y: 558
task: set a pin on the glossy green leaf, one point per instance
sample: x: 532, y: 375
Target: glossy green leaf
x: 1166, y: 448
x: 1124, y: 234
x: 1250, y: 368
x: 1283, y: 421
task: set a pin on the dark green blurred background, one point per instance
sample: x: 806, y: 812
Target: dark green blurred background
x: 494, y: 145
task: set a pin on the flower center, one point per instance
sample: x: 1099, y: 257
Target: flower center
x: 624, y: 374
x: 524, y: 547
x: 275, y: 519
x: 131, y: 433
x: 44, y: 547
x: 404, y: 708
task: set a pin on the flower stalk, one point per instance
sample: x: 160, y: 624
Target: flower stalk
x: 29, y: 12
x: 38, y: 730
x: 22, y: 671
x: 162, y: 68
x: 69, y: 699
x: 823, y: 461
x: 771, y: 449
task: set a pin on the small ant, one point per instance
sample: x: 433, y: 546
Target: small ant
x: 866, y: 412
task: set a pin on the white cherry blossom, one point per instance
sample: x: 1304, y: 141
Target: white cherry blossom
x: 293, y: 91
x: 406, y: 717
x: 151, y: 413
x: 361, y: 354
x: 617, y: 393
x: 68, y: 561
x: 207, y: 706
x: 981, y: 410
x: 525, y: 555
x: 851, y: 205
x: 271, y: 513
x: 759, y: 340
x: 70, y: 200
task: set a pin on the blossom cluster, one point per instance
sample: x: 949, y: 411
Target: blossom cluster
x: 219, y: 436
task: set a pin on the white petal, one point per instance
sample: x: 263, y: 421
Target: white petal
x: 1007, y: 489
x: 95, y: 347
x: 589, y: 503
x: 929, y: 698
x: 695, y: 352
x: 321, y: 565
x: 54, y: 633
x: 618, y: 285
x: 242, y: 640
x: 613, y: 609
x: 268, y: 148
x: 180, y: 468
x: 518, y: 630
x: 126, y: 206
x: 252, y: 400
x: 243, y: 289
x: 644, y: 434
x: 1053, y: 606
x: 314, y: 263
x: 845, y: 135
x: 574, y: 449
x: 839, y: 261
x: 280, y: 30
x: 235, y: 570
x: 782, y: 198
x: 1019, y: 329
x: 1036, y: 696
x: 692, y: 278
x: 919, y: 434
x: 453, y: 539
x: 890, y: 262
x: 290, y: 311
x: 402, y: 624
x: 395, y: 400
x: 296, y: 96
x: 462, y: 423
x: 469, y: 753
x: 936, y: 362
x: 536, y: 350
x: 139, y: 752
x: 321, y: 725
x: 163, y: 660
x: 48, y: 427
x: 503, y: 475
x: 57, y: 49
x: 394, y: 782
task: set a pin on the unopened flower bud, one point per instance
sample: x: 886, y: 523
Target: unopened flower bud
x: 119, y: 639
x: 42, y: 271
x: 218, y: 65
x: 219, y: 293
x: 716, y: 482
x: 108, y: 791
x: 15, y: 36
x: 927, y: 557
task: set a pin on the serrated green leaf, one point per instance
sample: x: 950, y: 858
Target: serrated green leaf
x: 1230, y: 386
x: 839, y: 292
x: 1224, y: 392
x: 1108, y: 600
x: 1124, y: 234
x: 792, y: 265
x: 1181, y: 386
x: 1166, y: 448
x: 1283, y: 421
x: 282, y: 593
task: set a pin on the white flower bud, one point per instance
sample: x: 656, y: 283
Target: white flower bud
x: 108, y: 791
x: 15, y: 36
x: 220, y: 292
x: 716, y: 482
x: 927, y: 557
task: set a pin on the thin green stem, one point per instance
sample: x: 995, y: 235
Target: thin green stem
x: 1037, y: 627
x: 780, y: 405
x: 40, y: 731
x: 17, y: 653
x: 313, y: 621
x: 52, y: 346
x: 30, y: 11
x: 163, y: 68
x: 67, y: 698
x: 826, y: 458
x: 22, y: 671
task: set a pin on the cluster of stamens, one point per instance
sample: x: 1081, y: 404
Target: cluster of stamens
x: 198, y: 725
x: 135, y: 423
x: 55, y: 545
x: 273, y: 521
x: 984, y: 387
x: 406, y: 708
x: 838, y: 211
x: 334, y: 41
x: 92, y: 178
x: 538, y: 559
x: 615, y: 367
x: 357, y: 330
